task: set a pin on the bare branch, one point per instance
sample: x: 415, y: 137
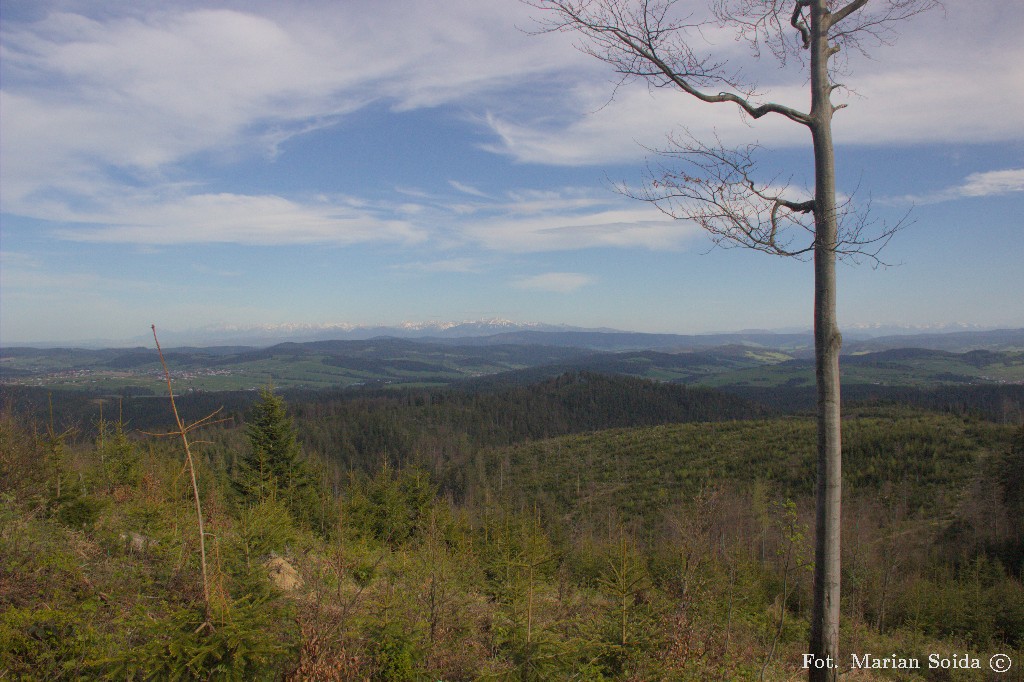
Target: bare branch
x: 841, y: 14
x: 183, y: 432
x: 797, y: 22
x: 205, y: 421
x: 652, y: 43
x: 764, y: 24
x: 861, y: 237
x: 852, y: 24
x: 857, y: 25
x: 715, y: 187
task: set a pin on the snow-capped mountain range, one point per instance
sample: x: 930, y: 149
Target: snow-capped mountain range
x: 300, y: 332
x: 503, y: 330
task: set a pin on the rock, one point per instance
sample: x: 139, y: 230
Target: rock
x: 137, y: 542
x: 283, y: 574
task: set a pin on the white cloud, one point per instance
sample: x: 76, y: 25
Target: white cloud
x: 567, y: 232
x: 524, y: 221
x: 533, y: 221
x: 555, y: 282
x: 457, y: 265
x: 468, y: 189
x: 987, y: 184
x: 149, y: 89
x: 101, y: 113
x: 29, y: 279
x: 12, y: 259
x: 216, y: 272
x: 140, y: 94
x: 566, y: 219
x: 993, y: 183
x: 593, y: 130
x: 87, y: 99
x: 953, y: 78
x: 239, y: 219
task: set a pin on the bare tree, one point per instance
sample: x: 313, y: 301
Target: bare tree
x: 182, y: 430
x: 658, y: 41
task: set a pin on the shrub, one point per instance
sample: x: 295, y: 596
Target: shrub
x: 245, y: 643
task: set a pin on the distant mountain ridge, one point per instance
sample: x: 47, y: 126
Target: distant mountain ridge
x: 615, y: 341
x: 268, y: 335
x: 502, y: 331
x: 954, y: 342
x: 483, y: 334
x: 754, y: 359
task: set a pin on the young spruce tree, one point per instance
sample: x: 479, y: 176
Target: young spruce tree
x: 274, y: 468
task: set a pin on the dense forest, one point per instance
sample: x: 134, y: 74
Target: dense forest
x: 582, y: 527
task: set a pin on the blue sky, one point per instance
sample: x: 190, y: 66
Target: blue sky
x: 226, y: 163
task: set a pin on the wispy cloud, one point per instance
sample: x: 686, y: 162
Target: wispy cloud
x: 456, y: 265
x: 562, y: 219
x: 592, y: 130
x: 468, y: 189
x: 36, y: 281
x: 142, y: 92
x: 97, y: 105
x: 216, y: 272
x: 105, y: 96
x: 522, y: 221
x: 568, y: 232
x: 237, y: 219
x: 555, y: 282
x: 993, y: 183
x: 12, y: 259
x: 923, y: 90
x: 988, y: 184
x: 529, y: 220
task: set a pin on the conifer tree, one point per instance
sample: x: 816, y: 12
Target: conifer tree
x: 274, y: 468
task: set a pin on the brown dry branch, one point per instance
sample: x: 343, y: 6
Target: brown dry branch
x: 183, y: 430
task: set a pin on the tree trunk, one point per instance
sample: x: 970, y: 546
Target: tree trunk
x: 824, y: 644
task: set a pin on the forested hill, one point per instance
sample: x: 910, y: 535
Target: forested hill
x: 923, y: 458
x: 715, y: 360
x: 998, y: 403
x: 507, y: 532
x: 394, y: 419
x: 449, y: 423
